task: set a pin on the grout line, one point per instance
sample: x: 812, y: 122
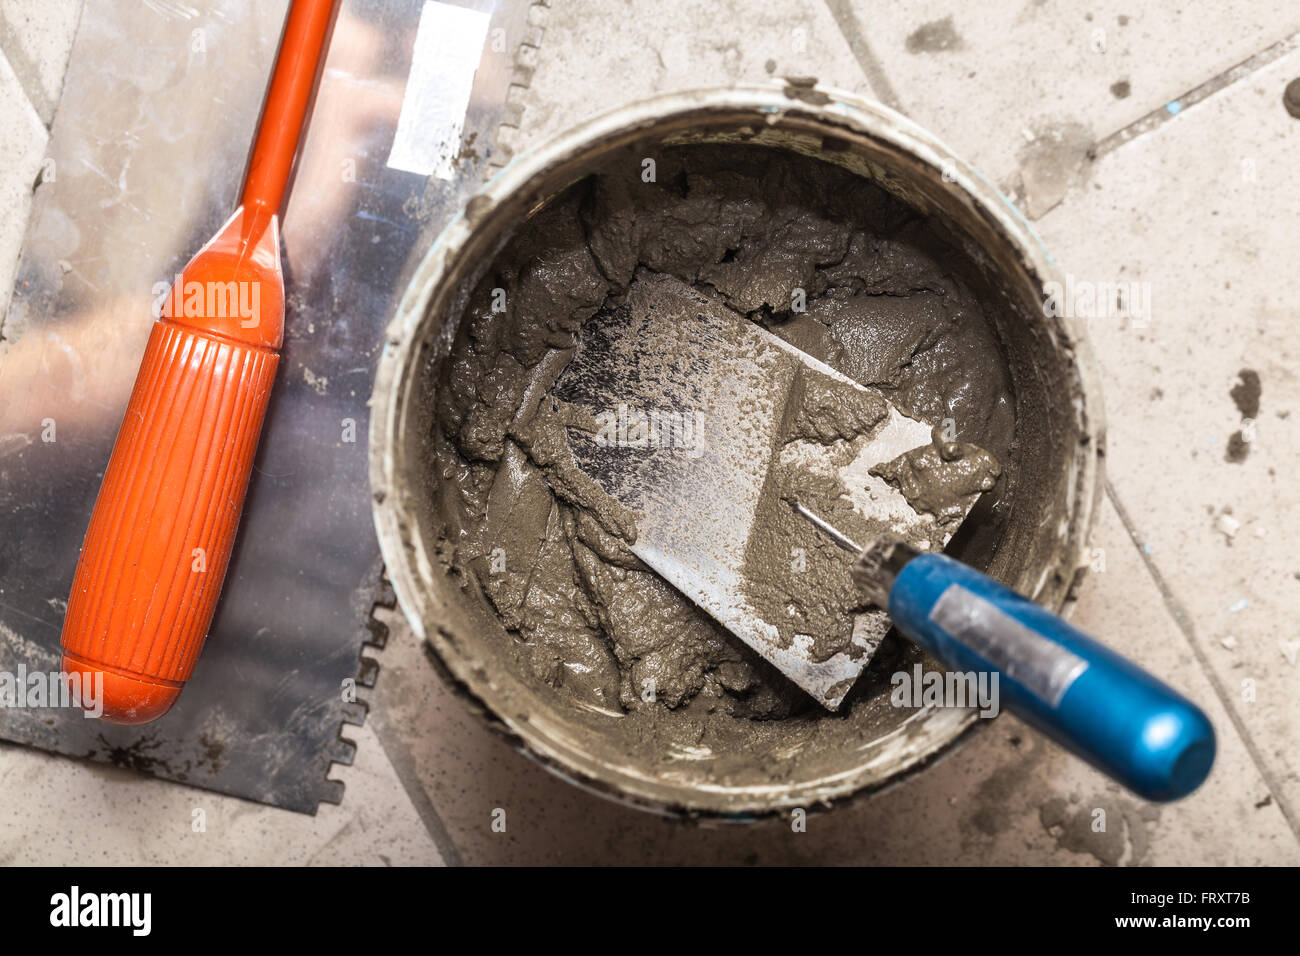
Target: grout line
x: 1183, y: 621
x: 26, y: 73
x: 400, y: 759
x: 1158, y: 117
x: 851, y: 30
x: 34, y: 117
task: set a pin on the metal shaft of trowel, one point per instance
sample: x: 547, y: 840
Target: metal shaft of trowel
x: 1094, y: 702
x: 828, y: 529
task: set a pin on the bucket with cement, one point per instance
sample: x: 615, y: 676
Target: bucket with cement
x: 840, y: 226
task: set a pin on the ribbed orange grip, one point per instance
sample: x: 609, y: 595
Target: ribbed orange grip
x: 164, y: 524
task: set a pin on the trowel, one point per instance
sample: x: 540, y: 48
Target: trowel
x: 163, y: 528
x: 695, y: 403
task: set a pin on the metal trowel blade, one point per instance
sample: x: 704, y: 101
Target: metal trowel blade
x: 692, y: 397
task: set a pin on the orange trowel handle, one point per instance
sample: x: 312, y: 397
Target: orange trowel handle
x: 164, y: 523
x: 287, y: 100
x: 163, y: 526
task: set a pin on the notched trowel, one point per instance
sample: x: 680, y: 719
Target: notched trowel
x: 698, y: 417
x: 720, y: 436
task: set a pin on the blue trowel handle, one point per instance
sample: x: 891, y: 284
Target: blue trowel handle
x: 1089, y: 699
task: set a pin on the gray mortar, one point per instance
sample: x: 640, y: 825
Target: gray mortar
x: 747, y: 226
x: 462, y: 416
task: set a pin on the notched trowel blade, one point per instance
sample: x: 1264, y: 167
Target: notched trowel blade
x: 690, y: 400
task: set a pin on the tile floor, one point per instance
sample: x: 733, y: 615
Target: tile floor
x: 1149, y: 144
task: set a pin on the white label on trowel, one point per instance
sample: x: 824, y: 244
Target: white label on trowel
x: 448, y: 46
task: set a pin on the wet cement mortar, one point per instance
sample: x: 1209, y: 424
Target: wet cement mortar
x: 546, y: 551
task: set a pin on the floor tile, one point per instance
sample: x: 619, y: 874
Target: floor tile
x: 97, y: 815
x: 38, y: 38
x: 1023, y: 89
x: 1202, y: 214
x: 22, y: 146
